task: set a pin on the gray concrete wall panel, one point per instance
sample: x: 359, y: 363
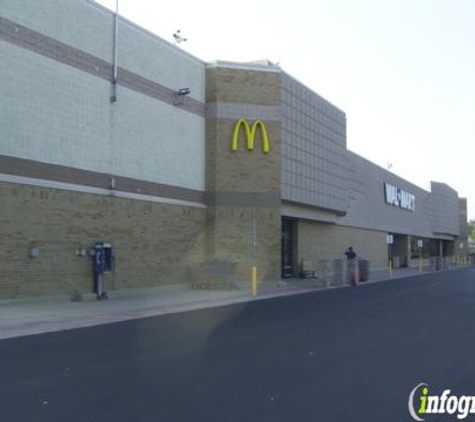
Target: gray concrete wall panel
x: 60, y: 113
x: 444, y: 203
x: 314, y: 160
x: 87, y: 26
x: 435, y: 212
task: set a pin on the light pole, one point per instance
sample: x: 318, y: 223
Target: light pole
x: 254, y: 266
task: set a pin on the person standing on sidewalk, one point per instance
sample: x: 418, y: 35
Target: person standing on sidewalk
x: 351, y: 255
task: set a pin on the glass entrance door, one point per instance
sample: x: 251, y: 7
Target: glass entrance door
x: 288, y: 247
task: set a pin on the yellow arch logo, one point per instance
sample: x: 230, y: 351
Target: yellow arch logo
x: 251, y: 135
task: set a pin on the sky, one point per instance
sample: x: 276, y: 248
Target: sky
x: 403, y: 71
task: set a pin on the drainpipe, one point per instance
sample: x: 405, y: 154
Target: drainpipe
x: 115, y: 47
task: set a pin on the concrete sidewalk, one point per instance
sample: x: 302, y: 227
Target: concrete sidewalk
x: 21, y: 317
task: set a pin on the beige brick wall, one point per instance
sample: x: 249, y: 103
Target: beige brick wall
x: 231, y: 238
x: 243, y: 86
x: 327, y: 241
x: 154, y: 243
x: 244, y: 183
x: 242, y: 170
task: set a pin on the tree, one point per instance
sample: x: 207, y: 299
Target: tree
x: 471, y: 229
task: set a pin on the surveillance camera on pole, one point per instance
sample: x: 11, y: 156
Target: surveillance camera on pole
x: 178, y: 39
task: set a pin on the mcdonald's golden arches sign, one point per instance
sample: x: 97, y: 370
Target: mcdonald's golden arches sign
x: 251, y: 135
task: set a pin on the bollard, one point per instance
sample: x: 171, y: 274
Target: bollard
x: 254, y: 281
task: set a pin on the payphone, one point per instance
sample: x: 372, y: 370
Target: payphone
x: 103, y: 262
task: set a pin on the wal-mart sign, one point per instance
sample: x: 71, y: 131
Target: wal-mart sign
x: 399, y: 198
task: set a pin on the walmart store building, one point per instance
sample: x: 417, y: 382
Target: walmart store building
x: 250, y: 167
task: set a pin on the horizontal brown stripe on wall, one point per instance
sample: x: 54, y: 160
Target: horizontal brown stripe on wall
x: 24, y: 37
x: 246, y: 111
x: 53, y: 172
x: 244, y: 199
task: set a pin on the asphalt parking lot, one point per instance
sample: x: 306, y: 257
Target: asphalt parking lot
x: 350, y: 354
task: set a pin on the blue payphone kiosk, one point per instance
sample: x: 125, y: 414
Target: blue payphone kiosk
x: 103, y: 262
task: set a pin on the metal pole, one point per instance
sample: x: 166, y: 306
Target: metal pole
x: 116, y: 53
x: 254, y: 267
x: 390, y: 264
x: 253, y: 235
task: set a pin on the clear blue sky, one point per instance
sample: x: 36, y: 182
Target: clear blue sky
x: 402, y: 70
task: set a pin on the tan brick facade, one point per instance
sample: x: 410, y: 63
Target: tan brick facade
x: 318, y: 241
x: 242, y: 86
x: 154, y: 243
x: 243, y: 187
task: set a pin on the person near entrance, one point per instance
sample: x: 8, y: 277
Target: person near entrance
x: 350, y: 253
x: 351, y: 266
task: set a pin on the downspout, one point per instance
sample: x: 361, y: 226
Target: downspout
x: 115, y: 48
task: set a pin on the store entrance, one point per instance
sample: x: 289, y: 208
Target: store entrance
x: 288, y: 236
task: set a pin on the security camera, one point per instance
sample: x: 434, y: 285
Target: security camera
x: 178, y: 38
x: 184, y: 91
